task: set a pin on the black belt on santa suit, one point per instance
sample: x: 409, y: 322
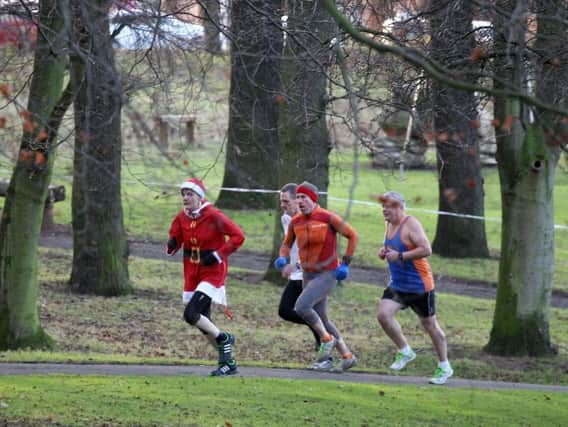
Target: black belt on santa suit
x: 195, y: 254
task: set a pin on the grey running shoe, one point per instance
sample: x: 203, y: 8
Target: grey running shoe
x: 343, y: 364
x: 229, y: 368
x: 324, y: 365
x: 402, y: 359
x: 325, y: 350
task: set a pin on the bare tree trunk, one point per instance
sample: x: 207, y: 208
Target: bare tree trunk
x: 23, y: 210
x: 460, y: 180
x: 304, y: 138
x: 252, y: 147
x: 100, y: 256
x: 527, y: 164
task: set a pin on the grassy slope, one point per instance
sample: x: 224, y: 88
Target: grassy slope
x: 147, y: 326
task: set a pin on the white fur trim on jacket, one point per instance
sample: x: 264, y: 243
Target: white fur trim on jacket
x: 217, y: 295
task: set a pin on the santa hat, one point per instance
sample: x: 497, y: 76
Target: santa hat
x: 195, y: 185
x: 309, y: 190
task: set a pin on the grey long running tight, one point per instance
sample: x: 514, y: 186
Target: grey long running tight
x: 312, y: 302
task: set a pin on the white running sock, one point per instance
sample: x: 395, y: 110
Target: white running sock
x: 406, y: 350
x: 444, y: 365
x: 207, y: 325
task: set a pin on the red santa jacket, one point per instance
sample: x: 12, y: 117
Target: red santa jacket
x: 211, y: 230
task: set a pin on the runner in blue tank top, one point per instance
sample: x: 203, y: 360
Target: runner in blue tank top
x: 405, y: 248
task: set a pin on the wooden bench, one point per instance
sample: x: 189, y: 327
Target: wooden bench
x: 168, y: 124
x: 55, y: 193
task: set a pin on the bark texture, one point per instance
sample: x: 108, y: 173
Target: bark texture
x: 252, y: 146
x: 100, y: 248
x: 460, y: 181
x: 304, y: 137
x: 527, y: 158
x: 20, y: 326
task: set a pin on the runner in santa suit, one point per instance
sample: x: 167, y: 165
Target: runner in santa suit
x: 208, y: 237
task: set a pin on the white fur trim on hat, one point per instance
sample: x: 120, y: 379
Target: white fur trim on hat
x: 192, y: 185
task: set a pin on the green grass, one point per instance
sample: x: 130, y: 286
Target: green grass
x: 147, y: 327
x: 196, y: 401
x: 150, y: 197
x: 150, y: 200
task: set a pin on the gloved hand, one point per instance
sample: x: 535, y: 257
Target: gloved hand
x: 280, y: 262
x: 208, y: 258
x: 171, y: 246
x: 342, y: 272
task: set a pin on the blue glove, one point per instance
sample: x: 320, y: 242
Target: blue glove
x: 280, y: 262
x: 342, y: 272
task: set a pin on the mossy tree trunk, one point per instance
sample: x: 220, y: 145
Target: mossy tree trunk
x: 460, y: 180
x: 100, y: 248
x: 304, y: 137
x: 22, y: 215
x: 252, y: 146
x: 527, y: 157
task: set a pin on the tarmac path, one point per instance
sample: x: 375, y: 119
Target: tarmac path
x: 255, y: 372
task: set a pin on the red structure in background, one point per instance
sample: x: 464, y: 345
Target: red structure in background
x: 17, y: 32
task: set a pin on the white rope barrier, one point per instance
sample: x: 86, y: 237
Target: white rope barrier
x: 361, y: 202
x: 338, y: 199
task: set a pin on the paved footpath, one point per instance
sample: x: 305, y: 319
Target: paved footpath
x: 252, y: 372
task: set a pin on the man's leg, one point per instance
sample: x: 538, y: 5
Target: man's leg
x: 425, y: 307
x: 195, y: 314
x: 316, y: 290
x: 385, y: 315
x: 211, y: 337
x: 444, y: 369
x: 437, y: 336
x: 348, y: 359
x: 286, y: 308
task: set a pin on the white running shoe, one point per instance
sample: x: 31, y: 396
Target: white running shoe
x: 441, y: 375
x: 343, y: 365
x: 402, y: 359
x: 323, y: 365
